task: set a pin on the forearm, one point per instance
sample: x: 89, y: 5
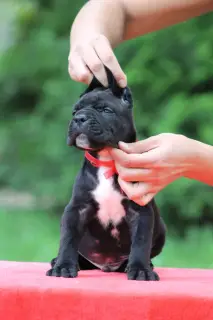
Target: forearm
x: 120, y: 20
x: 202, y: 164
x: 151, y: 15
x: 100, y: 18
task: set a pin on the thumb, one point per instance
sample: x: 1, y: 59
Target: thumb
x: 139, y: 146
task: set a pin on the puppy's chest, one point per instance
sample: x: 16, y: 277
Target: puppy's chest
x: 109, y: 200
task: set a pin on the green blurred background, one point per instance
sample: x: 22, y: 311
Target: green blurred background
x: 171, y: 75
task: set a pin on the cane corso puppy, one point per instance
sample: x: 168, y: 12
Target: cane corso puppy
x: 101, y: 228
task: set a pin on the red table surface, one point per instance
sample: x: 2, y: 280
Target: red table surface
x: 27, y: 294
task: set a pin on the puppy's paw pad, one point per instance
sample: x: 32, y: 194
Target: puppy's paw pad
x: 65, y: 272
x: 141, y: 274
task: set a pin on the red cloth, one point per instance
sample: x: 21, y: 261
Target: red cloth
x: 27, y: 294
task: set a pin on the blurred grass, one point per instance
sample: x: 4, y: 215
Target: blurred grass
x: 34, y: 236
x: 28, y: 236
x: 195, y: 251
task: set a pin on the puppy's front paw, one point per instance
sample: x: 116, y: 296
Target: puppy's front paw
x: 141, y: 274
x: 53, y: 262
x: 65, y: 271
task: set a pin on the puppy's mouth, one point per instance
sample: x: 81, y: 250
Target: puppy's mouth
x: 82, y: 142
x: 79, y: 140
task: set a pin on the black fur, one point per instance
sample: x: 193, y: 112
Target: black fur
x: 104, y: 117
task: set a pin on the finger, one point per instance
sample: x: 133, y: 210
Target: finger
x: 106, y: 55
x: 148, y: 197
x: 78, y: 68
x: 95, y: 65
x: 72, y: 74
x: 139, y: 146
x: 133, y: 174
x: 145, y: 199
x: 144, y: 160
x: 134, y: 190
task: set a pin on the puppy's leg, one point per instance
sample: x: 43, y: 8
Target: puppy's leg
x: 159, y: 241
x: 159, y: 232
x: 66, y: 263
x: 141, y: 223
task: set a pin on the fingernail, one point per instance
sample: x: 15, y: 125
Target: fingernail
x: 122, y: 83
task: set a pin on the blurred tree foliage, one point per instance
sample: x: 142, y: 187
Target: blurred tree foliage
x: 170, y: 73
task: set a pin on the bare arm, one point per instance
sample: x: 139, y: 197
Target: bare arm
x: 102, y: 24
x: 146, y: 16
x: 202, y: 168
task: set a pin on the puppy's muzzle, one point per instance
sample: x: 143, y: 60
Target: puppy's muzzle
x: 80, y: 120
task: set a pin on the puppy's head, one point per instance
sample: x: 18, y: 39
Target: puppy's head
x: 102, y: 117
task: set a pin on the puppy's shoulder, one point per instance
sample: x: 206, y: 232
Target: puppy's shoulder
x: 85, y: 181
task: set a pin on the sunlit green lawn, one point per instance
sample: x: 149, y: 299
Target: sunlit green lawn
x: 34, y: 236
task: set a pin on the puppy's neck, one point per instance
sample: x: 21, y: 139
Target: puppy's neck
x: 104, y: 155
x: 102, y: 159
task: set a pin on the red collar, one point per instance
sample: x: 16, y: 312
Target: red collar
x: 100, y: 163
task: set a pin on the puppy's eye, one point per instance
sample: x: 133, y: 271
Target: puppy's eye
x: 99, y: 109
x: 108, y: 110
x: 104, y: 109
x: 73, y: 113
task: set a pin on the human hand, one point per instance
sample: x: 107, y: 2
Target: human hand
x: 153, y: 164
x: 88, y: 57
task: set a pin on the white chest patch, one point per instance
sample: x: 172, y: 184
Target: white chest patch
x: 109, y: 200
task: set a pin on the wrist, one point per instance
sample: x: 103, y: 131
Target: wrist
x: 200, y: 162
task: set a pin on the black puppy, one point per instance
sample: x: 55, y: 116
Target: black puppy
x: 101, y: 227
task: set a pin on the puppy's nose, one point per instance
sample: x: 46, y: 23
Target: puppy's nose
x: 80, y: 119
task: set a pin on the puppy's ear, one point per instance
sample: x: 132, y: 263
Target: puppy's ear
x: 94, y: 84
x: 112, y: 83
x: 122, y: 93
x: 127, y: 97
